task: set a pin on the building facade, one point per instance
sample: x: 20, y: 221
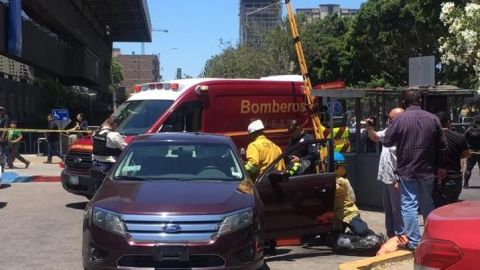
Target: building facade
x: 11, y: 69
x: 324, y: 10
x: 258, y: 18
x: 137, y: 68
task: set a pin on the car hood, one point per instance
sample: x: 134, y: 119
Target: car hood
x: 445, y: 222
x: 174, y: 197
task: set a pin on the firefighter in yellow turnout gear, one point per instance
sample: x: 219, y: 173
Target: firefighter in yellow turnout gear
x: 359, y: 237
x: 345, y: 208
x: 261, y: 152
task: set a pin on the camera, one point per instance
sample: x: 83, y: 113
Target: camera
x: 370, y: 121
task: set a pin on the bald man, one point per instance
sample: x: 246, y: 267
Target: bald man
x: 386, y: 174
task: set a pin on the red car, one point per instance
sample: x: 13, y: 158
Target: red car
x: 174, y: 201
x: 451, y: 239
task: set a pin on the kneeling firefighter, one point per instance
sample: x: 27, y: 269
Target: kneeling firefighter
x: 107, y: 146
x: 359, y: 237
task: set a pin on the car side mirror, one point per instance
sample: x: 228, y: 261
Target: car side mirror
x: 277, y: 177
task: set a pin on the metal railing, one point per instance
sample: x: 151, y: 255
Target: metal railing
x: 34, y: 141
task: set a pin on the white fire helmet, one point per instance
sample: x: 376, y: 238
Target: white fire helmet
x: 255, y: 126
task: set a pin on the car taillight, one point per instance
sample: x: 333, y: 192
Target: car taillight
x: 434, y: 254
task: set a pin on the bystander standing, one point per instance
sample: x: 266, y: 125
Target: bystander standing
x: 448, y: 190
x: 53, y: 140
x: 472, y: 135
x: 3, y: 137
x: 81, y: 124
x: 388, y: 176
x: 421, y: 154
x: 14, y: 137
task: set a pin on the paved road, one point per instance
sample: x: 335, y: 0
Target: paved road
x: 40, y: 228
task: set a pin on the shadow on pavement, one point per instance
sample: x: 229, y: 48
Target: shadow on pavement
x: 77, y: 205
x: 473, y: 187
x: 298, y: 256
x: 4, y: 186
x: 358, y: 253
x: 3, y: 204
x: 280, y: 251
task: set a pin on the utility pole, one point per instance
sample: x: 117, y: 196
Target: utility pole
x: 153, y: 30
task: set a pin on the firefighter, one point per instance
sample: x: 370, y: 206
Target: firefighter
x: 107, y: 146
x: 345, y: 209
x: 261, y: 151
x: 360, y: 237
x: 303, y: 159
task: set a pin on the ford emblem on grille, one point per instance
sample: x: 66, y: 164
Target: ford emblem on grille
x: 77, y: 160
x: 171, y: 228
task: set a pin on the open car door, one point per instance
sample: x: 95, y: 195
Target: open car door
x: 296, y: 205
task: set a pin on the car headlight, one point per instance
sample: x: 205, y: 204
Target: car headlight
x: 108, y: 221
x: 236, y: 221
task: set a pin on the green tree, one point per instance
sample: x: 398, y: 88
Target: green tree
x: 116, y: 75
x: 386, y: 33
x: 324, y: 45
x: 271, y: 57
x: 53, y: 95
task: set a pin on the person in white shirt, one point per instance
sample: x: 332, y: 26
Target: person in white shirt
x: 387, y: 174
x: 108, y: 144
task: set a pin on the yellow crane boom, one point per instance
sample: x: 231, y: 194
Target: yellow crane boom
x: 310, y: 100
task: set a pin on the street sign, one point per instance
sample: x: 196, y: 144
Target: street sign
x: 60, y: 114
x: 421, y: 70
x: 336, y: 106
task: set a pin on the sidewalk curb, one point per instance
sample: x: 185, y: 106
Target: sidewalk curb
x: 31, y: 178
x: 368, y: 263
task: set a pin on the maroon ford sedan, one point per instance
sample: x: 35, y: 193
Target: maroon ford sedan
x: 182, y: 201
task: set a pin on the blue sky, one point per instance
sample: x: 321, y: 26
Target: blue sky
x: 195, y: 29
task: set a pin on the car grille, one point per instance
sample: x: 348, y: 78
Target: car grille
x: 172, y: 229
x: 78, y: 161
x: 194, y: 261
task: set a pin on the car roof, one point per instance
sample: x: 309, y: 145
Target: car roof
x: 184, y: 137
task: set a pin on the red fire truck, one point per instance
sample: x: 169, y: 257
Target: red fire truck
x: 221, y: 106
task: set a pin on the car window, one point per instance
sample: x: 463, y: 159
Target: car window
x: 136, y: 116
x: 179, y: 161
x: 188, y: 117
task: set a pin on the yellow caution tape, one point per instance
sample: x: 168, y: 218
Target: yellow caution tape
x: 46, y: 130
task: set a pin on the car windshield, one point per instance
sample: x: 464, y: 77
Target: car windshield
x: 179, y: 161
x: 136, y: 116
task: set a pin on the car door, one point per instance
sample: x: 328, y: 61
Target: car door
x: 296, y: 205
